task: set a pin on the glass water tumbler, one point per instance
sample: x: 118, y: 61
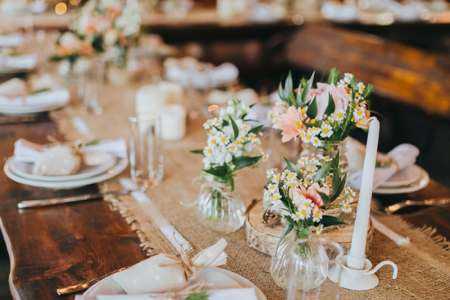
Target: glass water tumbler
x: 145, y: 144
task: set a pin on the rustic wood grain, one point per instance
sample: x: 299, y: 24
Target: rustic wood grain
x: 61, y: 245
x: 404, y: 74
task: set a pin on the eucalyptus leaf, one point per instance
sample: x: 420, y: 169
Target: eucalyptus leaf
x: 322, y: 173
x: 312, y: 109
x: 286, y: 231
x: 293, y: 168
x: 307, y: 88
x: 203, y: 295
x: 328, y: 221
x: 331, y: 106
x: 288, y: 86
x: 245, y: 161
x: 235, y: 128
x: 281, y: 93
x: 353, y: 83
x: 299, y: 96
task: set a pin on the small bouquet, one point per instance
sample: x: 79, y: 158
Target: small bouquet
x: 231, y: 142
x: 327, y: 113
x: 70, y: 47
x: 304, y: 191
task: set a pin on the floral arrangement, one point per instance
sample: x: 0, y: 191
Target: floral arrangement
x: 231, y: 141
x: 327, y: 113
x: 105, y: 25
x: 304, y: 191
x: 70, y: 47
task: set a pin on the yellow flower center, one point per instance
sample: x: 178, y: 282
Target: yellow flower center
x: 290, y: 176
x: 358, y: 112
x: 277, y: 178
x: 223, y: 139
x: 276, y: 122
x: 213, y: 141
x: 317, y: 214
x: 303, y: 110
x: 231, y: 147
x: 304, y: 212
x: 308, y: 137
x: 302, y: 134
x: 339, y: 115
x: 275, y: 198
x: 209, y: 151
x: 238, y: 142
x: 271, y: 187
x: 306, y: 181
x: 325, y: 130
x: 312, y: 121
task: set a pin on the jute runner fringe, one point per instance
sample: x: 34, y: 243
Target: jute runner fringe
x: 424, y: 264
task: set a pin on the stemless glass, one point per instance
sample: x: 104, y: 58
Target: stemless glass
x: 91, y: 85
x: 146, y: 158
x: 308, y: 272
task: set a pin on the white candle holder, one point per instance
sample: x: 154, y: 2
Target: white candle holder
x: 358, y: 280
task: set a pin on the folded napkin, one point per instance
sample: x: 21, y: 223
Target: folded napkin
x: 199, y: 75
x: 402, y: 157
x: 24, y: 153
x: 248, y: 96
x: 54, y: 96
x: 167, y: 273
x: 225, y: 294
x: 12, y: 88
x: 11, y: 40
x: 339, y: 13
x: 22, y: 62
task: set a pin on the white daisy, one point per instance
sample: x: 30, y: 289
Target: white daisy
x: 316, y: 142
x: 207, y: 124
x: 359, y: 113
x: 338, y: 116
x: 217, y: 121
x: 271, y: 172
x: 265, y: 157
x: 276, y: 198
x: 361, y: 87
x: 305, y: 212
x: 209, y: 150
x: 327, y: 130
x: 314, y: 131
x: 317, y: 216
x: 346, y: 208
x: 272, y: 188
x: 297, y: 216
x: 319, y: 229
x: 266, y: 195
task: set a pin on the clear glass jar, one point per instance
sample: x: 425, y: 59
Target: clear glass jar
x: 313, y: 252
x: 219, y: 209
x: 328, y: 149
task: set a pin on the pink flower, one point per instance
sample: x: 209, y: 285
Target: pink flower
x: 323, y: 89
x: 364, y: 122
x: 291, y: 123
x: 312, y: 194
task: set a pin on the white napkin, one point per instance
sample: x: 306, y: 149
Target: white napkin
x: 11, y: 40
x: 12, y: 88
x: 217, y: 76
x: 116, y: 147
x: 225, y: 294
x: 22, y: 62
x: 54, y: 96
x: 339, y: 13
x: 397, y: 238
x: 403, y: 156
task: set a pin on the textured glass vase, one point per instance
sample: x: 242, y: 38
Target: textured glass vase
x: 328, y: 149
x: 312, y: 252
x: 219, y: 209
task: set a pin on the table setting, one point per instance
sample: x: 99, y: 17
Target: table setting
x: 189, y: 206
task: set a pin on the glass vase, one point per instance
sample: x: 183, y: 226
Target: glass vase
x: 328, y: 149
x: 313, y: 252
x: 219, y: 209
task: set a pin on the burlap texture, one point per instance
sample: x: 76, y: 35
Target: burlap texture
x: 424, y: 265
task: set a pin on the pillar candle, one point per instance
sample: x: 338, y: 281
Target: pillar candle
x: 175, y: 92
x: 356, y: 259
x: 173, y: 122
x: 150, y: 98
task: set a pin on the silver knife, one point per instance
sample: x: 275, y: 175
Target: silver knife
x: 430, y: 202
x: 61, y: 200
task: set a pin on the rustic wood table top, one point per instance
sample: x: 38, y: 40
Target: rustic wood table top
x: 63, y: 245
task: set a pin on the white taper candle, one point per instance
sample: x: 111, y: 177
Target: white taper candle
x: 356, y: 259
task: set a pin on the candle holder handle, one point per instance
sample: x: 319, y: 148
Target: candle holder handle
x: 384, y: 263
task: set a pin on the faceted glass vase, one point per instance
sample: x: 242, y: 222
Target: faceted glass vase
x: 220, y: 210
x: 313, y: 253
x: 328, y: 149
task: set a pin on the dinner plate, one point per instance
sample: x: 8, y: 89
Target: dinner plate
x: 26, y: 171
x: 423, y: 181
x: 407, y: 176
x: 30, y: 109
x: 222, y: 279
x: 118, y: 168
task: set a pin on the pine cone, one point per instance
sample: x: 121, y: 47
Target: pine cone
x: 272, y: 218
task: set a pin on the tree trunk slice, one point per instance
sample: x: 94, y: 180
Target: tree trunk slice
x: 266, y: 239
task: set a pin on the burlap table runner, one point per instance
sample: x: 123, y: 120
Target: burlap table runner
x: 424, y: 265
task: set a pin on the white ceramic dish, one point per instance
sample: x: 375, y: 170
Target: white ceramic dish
x: 25, y: 170
x: 118, y: 168
x: 30, y: 109
x: 407, y: 176
x: 222, y: 279
x: 423, y: 181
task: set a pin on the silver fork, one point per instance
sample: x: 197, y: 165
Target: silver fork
x: 430, y: 202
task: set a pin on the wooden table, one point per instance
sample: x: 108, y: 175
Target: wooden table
x: 67, y: 244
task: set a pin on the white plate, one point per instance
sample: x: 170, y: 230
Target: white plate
x: 222, y: 279
x: 407, y: 176
x: 26, y: 171
x: 118, y: 168
x: 413, y: 187
x: 30, y: 109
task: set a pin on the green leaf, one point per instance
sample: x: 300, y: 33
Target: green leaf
x: 235, y: 128
x: 203, y: 295
x: 281, y: 93
x: 333, y: 77
x: 231, y: 182
x: 256, y: 130
x: 245, y: 161
x: 96, y: 141
x: 322, y: 173
x: 252, y: 105
x: 293, y: 168
x: 288, y: 86
x: 331, y: 106
x: 217, y: 171
x: 299, y: 95
x: 368, y: 91
x: 198, y: 152
x: 312, y: 109
x: 286, y: 230
x: 340, y: 188
x: 307, y: 88
x: 326, y: 200
x: 328, y: 221
x: 353, y: 83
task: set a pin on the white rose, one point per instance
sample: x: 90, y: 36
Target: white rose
x: 70, y: 41
x: 111, y: 37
